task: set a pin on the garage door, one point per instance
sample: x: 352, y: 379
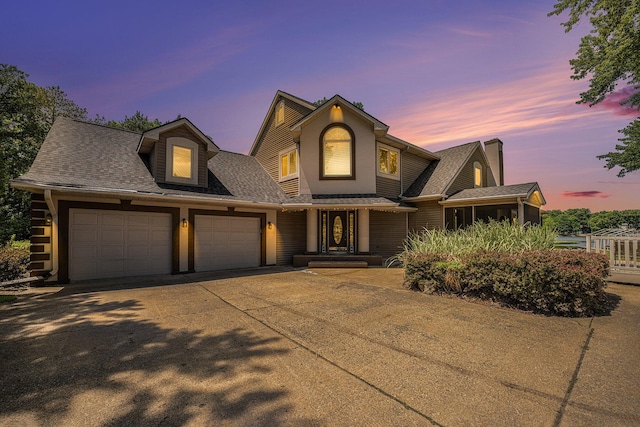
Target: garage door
x: 118, y: 244
x: 224, y: 242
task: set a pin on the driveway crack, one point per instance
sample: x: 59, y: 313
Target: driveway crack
x: 574, y: 377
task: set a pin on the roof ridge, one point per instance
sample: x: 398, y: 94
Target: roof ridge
x: 84, y: 122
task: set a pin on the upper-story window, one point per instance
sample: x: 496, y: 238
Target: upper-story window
x: 337, y: 156
x: 280, y: 113
x: 182, y: 157
x: 477, y: 174
x: 388, y: 162
x: 288, y: 164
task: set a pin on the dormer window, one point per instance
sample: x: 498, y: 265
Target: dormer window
x: 288, y: 164
x: 388, y: 162
x: 337, y: 157
x: 182, y: 166
x: 280, y: 113
x: 477, y: 174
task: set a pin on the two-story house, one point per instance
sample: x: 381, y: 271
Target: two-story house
x: 319, y: 182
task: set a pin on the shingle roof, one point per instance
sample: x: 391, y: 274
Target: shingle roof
x: 84, y: 155
x: 437, y: 177
x: 517, y: 190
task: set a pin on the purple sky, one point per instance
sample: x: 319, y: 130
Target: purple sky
x: 439, y: 73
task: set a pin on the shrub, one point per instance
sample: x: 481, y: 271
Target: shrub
x: 560, y: 282
x: 14, y: 263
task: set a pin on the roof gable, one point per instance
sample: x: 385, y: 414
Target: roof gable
x: 379, y: 128
x: 278, y: 96
x: 150, y: 137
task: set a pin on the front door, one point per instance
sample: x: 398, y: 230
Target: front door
x: 338, y: 231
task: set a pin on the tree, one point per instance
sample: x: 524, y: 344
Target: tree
x: 356, y: 104
x: 27, y: 112
x: 609, y: 55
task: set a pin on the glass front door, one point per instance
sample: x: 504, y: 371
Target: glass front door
x: 337, y: 231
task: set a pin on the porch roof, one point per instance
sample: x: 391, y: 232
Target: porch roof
x: 503, y: 193
x: 346, y: 201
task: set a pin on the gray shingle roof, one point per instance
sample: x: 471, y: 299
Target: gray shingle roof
x: 435, y: 179
x: 84, y: 155
x: 517, y: 190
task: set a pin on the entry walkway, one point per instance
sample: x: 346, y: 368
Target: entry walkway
x: 309, y: 347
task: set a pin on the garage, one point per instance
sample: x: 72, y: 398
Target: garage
x: 225, y: 242
x: 105, y: 243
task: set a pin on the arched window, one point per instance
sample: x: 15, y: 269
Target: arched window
x: 477, y: 174
x: 337, y: 157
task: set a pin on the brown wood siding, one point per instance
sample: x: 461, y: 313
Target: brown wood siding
x: 387, y: 231
x: 290, y: 186
x: 429, y: 215
x: 465, y: 177
x: 387, y: 187
x: 411, y: 167
x: 275, y: 139
x: 39, y: 210
x: 159, y: 159
x: 291, y: 236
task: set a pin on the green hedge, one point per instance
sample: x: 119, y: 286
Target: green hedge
x: 559, y: 282
x: 14, y: 262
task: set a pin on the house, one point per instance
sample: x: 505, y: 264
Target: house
x: 318, y: 181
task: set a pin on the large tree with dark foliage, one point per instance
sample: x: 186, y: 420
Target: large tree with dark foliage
x: 27, y: 111
x: 609, y: 56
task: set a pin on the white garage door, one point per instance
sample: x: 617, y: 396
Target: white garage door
x: 118, y: 244
x: 223, y: 242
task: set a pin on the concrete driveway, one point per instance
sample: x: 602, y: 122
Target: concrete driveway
x: 298, y: 347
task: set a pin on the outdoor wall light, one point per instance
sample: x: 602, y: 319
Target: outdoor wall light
x: 185, y: 223
x: 269, y: 225
x: 336, y: 105
x: 47, y: 220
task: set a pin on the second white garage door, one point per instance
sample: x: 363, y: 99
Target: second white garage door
x: 225, y: 242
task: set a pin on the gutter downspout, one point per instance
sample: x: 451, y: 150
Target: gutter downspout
x: 54, y: 235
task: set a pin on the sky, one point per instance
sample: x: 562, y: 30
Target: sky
x: 439, y: 73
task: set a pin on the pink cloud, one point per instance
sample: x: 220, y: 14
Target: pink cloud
x: 613, y: 102
x: 588, y: 194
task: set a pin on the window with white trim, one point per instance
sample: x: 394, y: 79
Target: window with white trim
x: 182, y: 155
x: 288, y: 164
x: 280, y: 113
x: 477, y: 174
x: 388, y: 162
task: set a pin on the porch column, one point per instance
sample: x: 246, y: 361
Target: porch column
x: 312, y: 230
x: 520, y: 212
x: 363, y: 230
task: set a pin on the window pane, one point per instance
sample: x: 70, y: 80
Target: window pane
x: 293, y: 164
x: 383, y: 159
x: 337, y: 158
x: 337, y: 134
x: 393, y: 163
x: 478, y: 176
x: 284, y: 162
x: 181, y: 162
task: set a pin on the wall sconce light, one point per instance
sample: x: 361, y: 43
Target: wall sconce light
x: 47, y: 220
x: 185, y: 223
x: 269, y: 225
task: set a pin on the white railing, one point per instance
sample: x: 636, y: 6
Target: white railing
x: 622, y: 251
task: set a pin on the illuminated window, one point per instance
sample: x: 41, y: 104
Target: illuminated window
x: 477, y: 174
x: 182, y: 154
x: 280, y: 113
x: 337, y: 157
x: 181, y: 162
x: 288, y: 164
x: 388, y: 162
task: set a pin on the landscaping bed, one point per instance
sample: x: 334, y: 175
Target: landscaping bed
x: 516, y: 266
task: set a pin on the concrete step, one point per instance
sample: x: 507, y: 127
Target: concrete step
x: 337, y: 264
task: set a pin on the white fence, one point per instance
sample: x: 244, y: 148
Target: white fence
x: 622, y: 251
